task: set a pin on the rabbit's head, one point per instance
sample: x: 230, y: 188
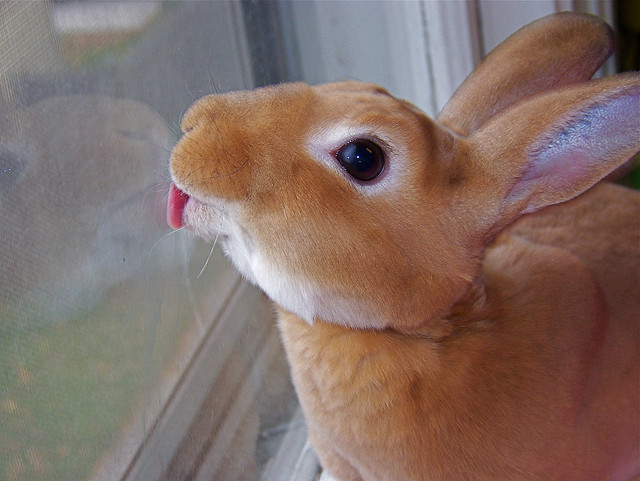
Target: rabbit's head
x: 326, y: 198
x: 346, y: 204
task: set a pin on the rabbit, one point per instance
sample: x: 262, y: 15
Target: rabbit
x: 76, y: 171
x: 458, y: 297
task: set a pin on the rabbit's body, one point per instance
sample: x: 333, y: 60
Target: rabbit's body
x: 435, y: 331
x: 511, y: 389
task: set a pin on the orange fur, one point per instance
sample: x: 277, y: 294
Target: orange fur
x: 435, y: 331
x: 512, y: 388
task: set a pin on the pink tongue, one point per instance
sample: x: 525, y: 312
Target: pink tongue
x: 175, y: 206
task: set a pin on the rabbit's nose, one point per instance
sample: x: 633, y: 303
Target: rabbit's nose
x: 175, y: 206
x: 201, y: 111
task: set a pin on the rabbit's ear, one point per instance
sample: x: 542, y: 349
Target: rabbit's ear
x: 553, y: 147
x: 552, y: 52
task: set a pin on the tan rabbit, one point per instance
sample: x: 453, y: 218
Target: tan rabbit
x: 443, y: 318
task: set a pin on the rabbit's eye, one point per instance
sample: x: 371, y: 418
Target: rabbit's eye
x: 362, y: 159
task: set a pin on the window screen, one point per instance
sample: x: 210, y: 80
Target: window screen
x: 127, y: 351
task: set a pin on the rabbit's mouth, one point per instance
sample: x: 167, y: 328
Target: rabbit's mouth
x: 208, y: 219
x: 175, y: 206
x: 214, y: 220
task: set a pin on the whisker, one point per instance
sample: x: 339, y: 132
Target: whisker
x: 194, y: 172
x: 176, y: 124
x: 161, y: 145
x: 160, y: 187
x: 233, y: 172
x: 162, y: 238
x: 214, y: 87
x: 193, y: 97
x: 215, y: 241
x: 175, y: 128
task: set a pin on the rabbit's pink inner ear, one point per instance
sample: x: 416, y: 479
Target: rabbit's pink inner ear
x: 576, y: 154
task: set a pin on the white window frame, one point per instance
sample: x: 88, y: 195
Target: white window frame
x: 418, y: 50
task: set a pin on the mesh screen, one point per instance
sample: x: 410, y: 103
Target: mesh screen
x: 102, y: 308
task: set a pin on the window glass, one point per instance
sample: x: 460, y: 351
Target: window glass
x: 127, y: 351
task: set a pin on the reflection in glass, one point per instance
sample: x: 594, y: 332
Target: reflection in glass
x: 119, y: 358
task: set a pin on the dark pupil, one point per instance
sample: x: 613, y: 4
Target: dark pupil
x: 362, y: 159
